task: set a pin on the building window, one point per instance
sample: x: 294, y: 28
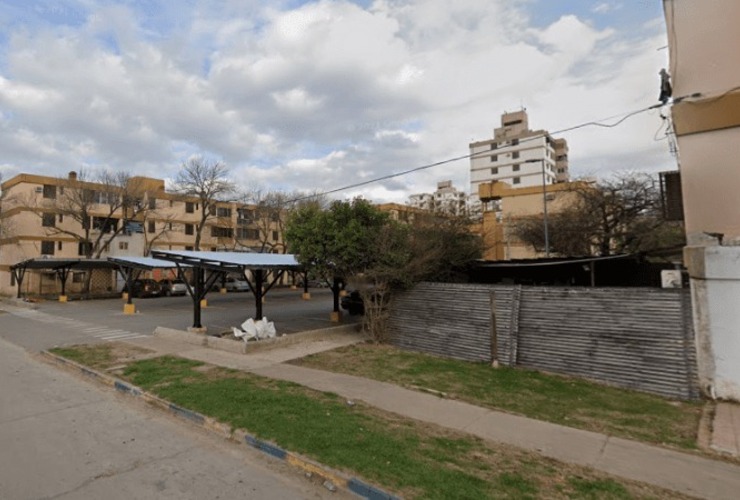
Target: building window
x: 169, y: 226
x: 494, y: 170
x: 515, y: 154
x: 245, y: 233
x: 244, y: 216
x: 59, y: 246
x: 61, y: 218
x: 105, y: 224
x: 78, y: 277
x: 47, y: 248
x: 152, y: 203
x: 222, y: 232
x: 151, y: 226
x: 223, y: 212
x: 515, y: 142
x: 84, y: 248
x: 516, y: 180
x: 493, y: 145
x: 48, y: 220
x: 188, y: 248
x: 189, y: 207
x: 50, y: 191
x: 189, y: 229
x: 515, y: 167
x: 172, y: 204
x: 275, y: 236
x: 123, y: 245
x: 494, y: 157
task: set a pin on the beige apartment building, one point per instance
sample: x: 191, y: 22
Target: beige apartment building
x: 507, y: 205
x: 702, y: 42
x: 519, y: 156
x: 50, y: 217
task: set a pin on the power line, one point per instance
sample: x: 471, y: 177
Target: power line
x: 596, y: 123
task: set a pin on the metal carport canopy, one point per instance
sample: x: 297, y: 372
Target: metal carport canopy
x: 59, y: 265
x: 146, y: 263
x: 224, y: 262
x: 230, y: 261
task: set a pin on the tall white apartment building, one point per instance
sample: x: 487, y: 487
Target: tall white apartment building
x: 518, y: 156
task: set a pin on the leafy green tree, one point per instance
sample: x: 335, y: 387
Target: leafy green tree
x: 337, y: 242
x: 355, y: 239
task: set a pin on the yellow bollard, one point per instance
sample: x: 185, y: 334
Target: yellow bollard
x: 124, y: 295
x: 336, y: 316
x: 306, y: 295
x: 129, y: 308
x: 204, y: 303
x: 62, y: 298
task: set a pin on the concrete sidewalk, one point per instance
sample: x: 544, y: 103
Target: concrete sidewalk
x: 686, y: 473
x: 726, y: 429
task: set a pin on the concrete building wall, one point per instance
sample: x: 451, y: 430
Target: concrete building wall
x: 703, y: 40
x: 512, y: 204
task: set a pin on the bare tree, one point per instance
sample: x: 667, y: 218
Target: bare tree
x: 620, y: 214
x: 101, y: 208
x: 157, y: 228
x: 208, y: 182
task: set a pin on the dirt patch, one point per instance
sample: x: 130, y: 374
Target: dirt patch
x: 124, y: 353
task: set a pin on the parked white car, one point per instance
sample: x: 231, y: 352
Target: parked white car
x: 173, y: 287
x: 236, y: 285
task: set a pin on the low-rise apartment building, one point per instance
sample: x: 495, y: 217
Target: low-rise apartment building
x: 50, y: 217
x: 445, y: 200
x: 506, y: 205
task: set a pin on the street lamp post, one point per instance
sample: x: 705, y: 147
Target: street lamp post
x: 544, y: 205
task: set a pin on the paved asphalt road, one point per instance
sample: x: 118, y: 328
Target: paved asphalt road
x: 51, y: 324
x: 62, y: 437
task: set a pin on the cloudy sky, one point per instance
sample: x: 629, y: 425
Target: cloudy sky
x: 317, y: 95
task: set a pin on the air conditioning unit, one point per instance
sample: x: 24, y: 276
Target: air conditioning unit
x: 39, y: 189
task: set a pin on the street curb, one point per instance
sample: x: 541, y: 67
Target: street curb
x: 331, y: 479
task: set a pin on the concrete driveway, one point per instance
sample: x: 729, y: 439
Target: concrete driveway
x: 50, y: 324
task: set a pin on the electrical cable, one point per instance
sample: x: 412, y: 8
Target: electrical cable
x: 596, y: 123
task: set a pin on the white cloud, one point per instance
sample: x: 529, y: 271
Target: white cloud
x: 321, y: 95
x: 605, y: 7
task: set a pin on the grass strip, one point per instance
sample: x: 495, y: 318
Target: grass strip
x: 558, y: 399
x: 413, y: 459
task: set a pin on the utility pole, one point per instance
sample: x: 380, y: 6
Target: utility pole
x: 544, y: 205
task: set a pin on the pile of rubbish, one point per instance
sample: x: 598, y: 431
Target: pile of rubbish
x: 255, y: 330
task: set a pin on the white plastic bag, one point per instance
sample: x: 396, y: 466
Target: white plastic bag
x: 262, y: 329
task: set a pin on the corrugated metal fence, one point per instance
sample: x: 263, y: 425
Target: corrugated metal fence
x: 638, y: 338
